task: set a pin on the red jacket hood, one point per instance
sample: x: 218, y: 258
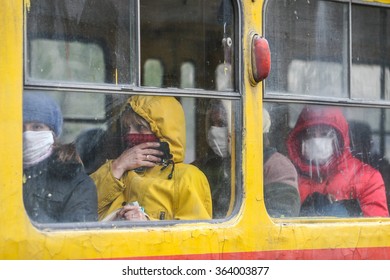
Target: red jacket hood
x: 318, y: 115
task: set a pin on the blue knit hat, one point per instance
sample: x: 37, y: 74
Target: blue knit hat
x: 41, y: 108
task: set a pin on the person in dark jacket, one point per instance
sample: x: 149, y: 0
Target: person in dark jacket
x: 281, y: 193
x: 216, y: 164
x: 55, y: 186
x: 331, y: 181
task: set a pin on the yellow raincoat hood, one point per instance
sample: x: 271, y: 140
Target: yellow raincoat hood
x: 165, y: 116
x: 183, y: 196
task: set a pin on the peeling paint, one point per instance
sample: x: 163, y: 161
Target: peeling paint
x: 249, y: 234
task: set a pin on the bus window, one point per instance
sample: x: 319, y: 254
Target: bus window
x: 196, y: 30
x: 314, y: 56
x: 116, y: 40
x: 309, y: 48
x: 77, y: 61
x: 92, y: 56
x: 370, y: 73
x: 331, y: 66
x: 202, y: 142
x: 342, y: 169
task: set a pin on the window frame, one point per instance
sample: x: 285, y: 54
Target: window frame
x: 345, y: 101
x: 236, y: 96
x: 136, y: 72
x: 349, y: 102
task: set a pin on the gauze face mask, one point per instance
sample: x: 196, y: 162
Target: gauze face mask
x: 37, y: 146
x: 318, y: 149
x: 217, y: 138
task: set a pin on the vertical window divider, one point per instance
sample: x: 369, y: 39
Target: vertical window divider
x: 135, y: 33
x: 349, y: 50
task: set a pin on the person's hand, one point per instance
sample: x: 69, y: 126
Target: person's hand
x: 132, y: 213
x: 144, y: 154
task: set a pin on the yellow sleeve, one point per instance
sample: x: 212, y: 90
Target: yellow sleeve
x: 109, y: 189
x: 192, y: 195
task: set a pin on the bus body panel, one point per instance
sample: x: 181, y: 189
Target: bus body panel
x: 250, y: 234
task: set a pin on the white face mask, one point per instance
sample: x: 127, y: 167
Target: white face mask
x: 37, y: 146
x: 217, y: 138
x: 318, y: 149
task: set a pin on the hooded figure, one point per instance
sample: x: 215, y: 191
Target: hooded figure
x: 163, y: 191
x: 216, y: 163
x: 55, y: 186
x: 331, y: 181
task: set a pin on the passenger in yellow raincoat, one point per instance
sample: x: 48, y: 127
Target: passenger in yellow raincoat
x: 172, y: 190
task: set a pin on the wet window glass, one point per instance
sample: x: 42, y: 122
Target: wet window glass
x: 341, y: 156
x: 129, y: 43
x: 76, y: 61
x: 327, y: 49
x: 81, y: 126
x: 370, y: 73
x: 331, y: 52
x: 309, y: 47
x: 88, y: 157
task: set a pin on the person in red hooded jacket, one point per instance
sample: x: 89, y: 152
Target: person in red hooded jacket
x: 331, y: 181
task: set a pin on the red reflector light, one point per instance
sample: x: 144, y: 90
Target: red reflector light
x: 261, y: 59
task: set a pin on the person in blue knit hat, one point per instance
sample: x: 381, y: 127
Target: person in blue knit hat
x: 55, y: 185
x: 41, y: 108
